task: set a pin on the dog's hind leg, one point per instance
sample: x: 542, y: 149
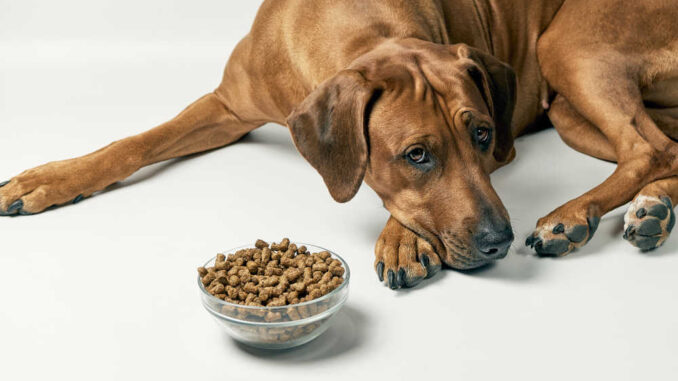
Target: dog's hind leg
x: 616, y: 109
x: 585, y: 57
x: 617, y: 116
x: 206, y: 124
x: 579, y: 133
x: 650, y: 217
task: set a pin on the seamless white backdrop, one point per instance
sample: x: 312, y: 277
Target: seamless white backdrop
x: 106, y: 289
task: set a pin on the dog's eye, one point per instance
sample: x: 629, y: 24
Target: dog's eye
x: 483, y: 137
x: 418, y: 155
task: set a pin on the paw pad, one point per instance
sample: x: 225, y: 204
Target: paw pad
x: 561, y: 238
x: 648, y: 222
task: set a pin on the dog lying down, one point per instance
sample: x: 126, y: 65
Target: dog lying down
x: 421, y: 100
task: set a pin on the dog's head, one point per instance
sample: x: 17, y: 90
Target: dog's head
x: 424, y: 125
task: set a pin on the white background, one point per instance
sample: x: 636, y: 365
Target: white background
x: 106, y: 289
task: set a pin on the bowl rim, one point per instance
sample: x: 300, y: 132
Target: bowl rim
x: 344, y: 284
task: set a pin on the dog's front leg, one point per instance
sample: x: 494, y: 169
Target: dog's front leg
x: 204, y: 125
x: 403, y: 259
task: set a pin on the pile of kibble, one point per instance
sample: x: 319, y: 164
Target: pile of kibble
x: 272, y: 275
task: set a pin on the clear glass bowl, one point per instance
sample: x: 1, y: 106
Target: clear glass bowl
x: 294, y: 325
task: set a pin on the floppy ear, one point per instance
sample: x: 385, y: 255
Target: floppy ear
x: 329, y: 129
x: 497, y: 83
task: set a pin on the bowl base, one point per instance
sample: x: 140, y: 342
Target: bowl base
x: 286, y: 344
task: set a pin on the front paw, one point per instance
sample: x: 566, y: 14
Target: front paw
x: 404, y: 259
x: 40, y: 188
x: 648, y: 222
x: 560, y: 233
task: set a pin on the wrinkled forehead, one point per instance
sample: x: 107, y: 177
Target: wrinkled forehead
x: 416, y: 109
x: 400, y: 118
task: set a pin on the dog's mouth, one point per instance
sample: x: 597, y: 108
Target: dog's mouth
x: 466, y: 249
x: 461, y: 255
x: 462, y: 260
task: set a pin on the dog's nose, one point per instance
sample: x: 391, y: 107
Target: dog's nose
x: 493, y: 242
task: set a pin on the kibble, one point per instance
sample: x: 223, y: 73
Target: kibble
x: 273, y: 275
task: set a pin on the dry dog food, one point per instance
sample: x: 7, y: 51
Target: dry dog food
x: 272, y: 275
x: 266, y: 286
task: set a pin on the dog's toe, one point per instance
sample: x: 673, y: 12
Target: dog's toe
x: 380, y: 271
x: 14, y: 208
x: 431, y: 262
x: 558, y: 235
x: 648, y: 222
x: 392, y: 280
x: 404, y: 260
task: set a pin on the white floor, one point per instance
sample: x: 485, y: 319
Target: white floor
x: 106, y: 289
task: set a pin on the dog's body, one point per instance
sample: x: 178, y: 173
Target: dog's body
x: 356, y: 80
x: 316, y: 39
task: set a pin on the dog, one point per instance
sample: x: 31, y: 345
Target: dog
x: 421, y: 100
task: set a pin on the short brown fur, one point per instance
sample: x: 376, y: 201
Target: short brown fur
x: 363, y: 84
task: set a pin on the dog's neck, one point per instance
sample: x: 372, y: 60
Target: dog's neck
x: 507, y: 29
x: 505, y: 25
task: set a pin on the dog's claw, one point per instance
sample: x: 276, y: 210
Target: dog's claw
x: 404, y: 259
x: 392, y: 280
x: 380, y: 271
x: 400, y: 278
x: 529, y: 241
x: 431, y: 269
x: 425, y: 261
x: 78, y: 199
x: 533, y: 241
x: 2, y: 184
x: 15, y: 207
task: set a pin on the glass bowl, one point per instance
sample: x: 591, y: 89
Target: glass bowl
x: 294, y: 324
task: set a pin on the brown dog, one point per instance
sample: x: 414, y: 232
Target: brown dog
x: 421, y: 99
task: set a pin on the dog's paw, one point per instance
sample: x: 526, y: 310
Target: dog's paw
x: 558, y: 235
x: 649, y: 221
x: 38, y: 189
x: 403, y: 259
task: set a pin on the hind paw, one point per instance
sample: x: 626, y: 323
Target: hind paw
x: 649, y: 221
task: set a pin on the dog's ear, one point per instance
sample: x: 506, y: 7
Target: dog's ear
x: 329, y: 128
x: 497, y: 83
